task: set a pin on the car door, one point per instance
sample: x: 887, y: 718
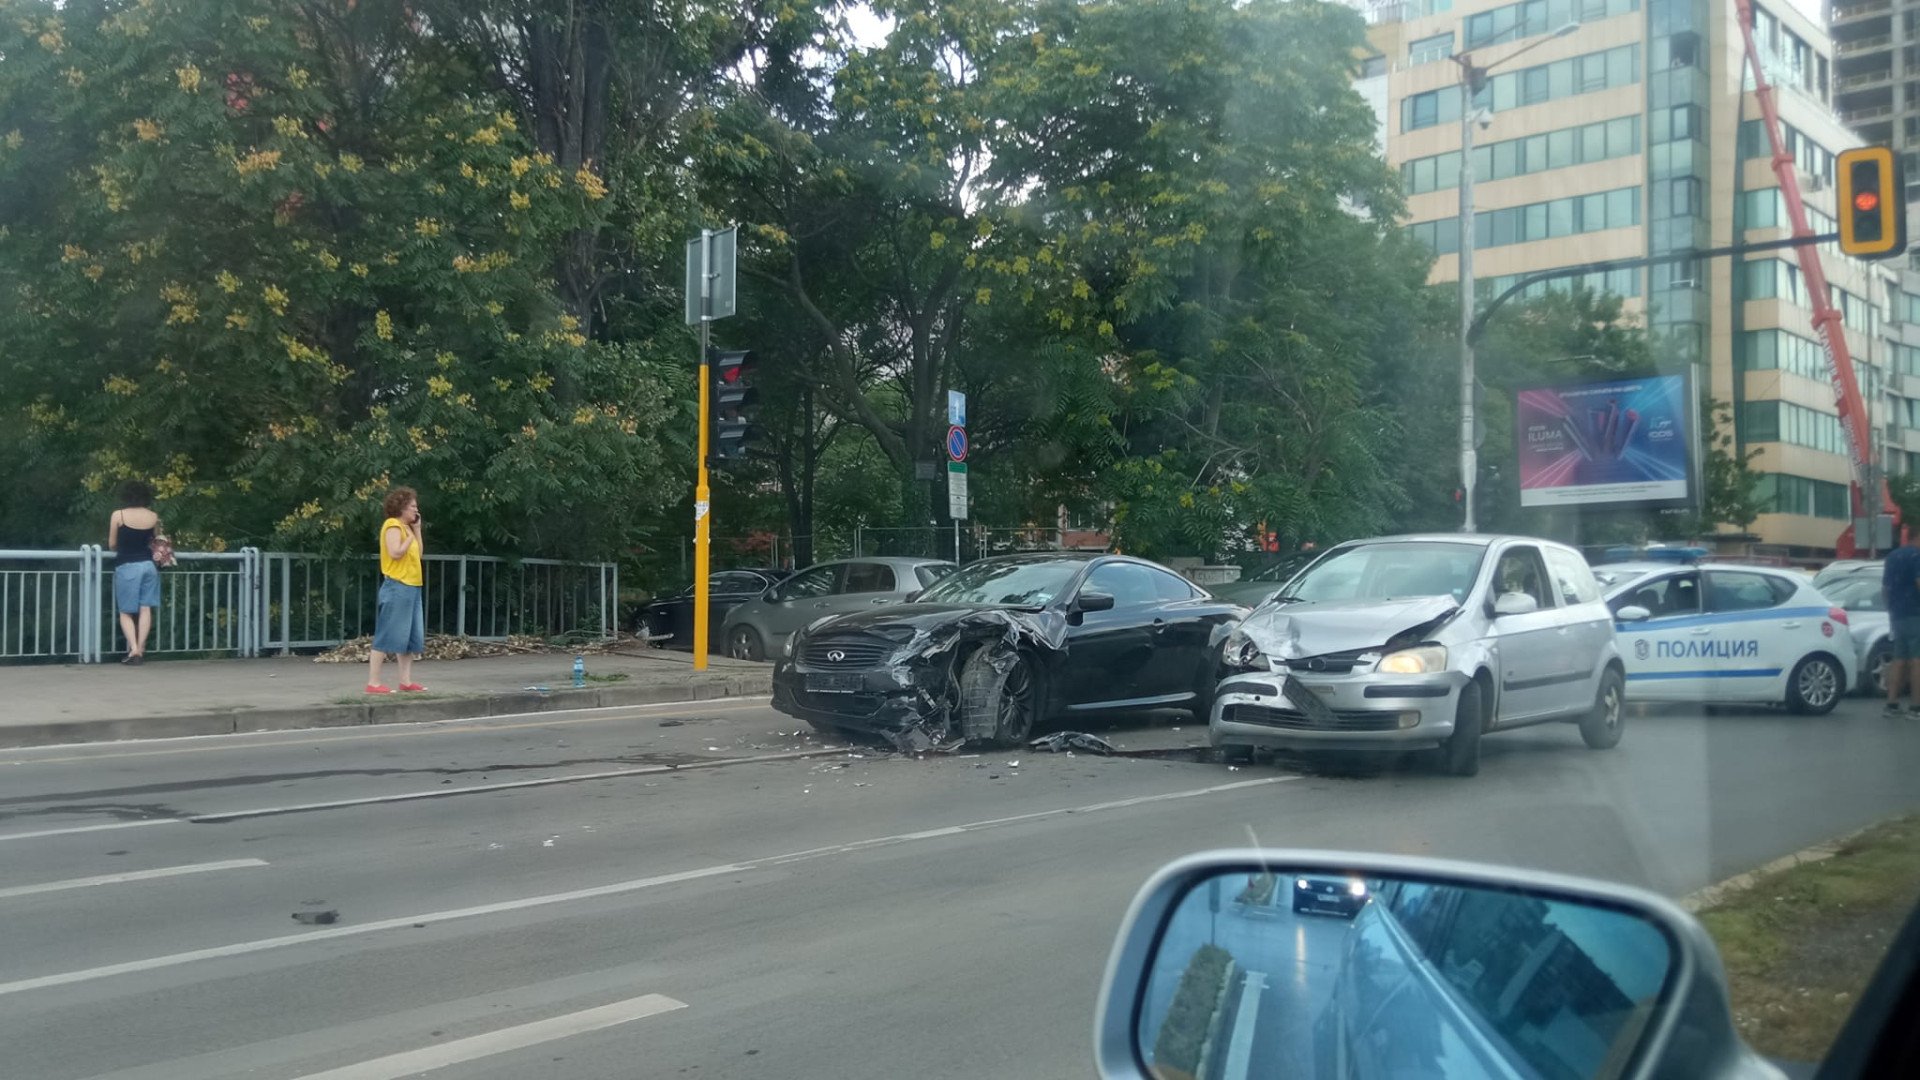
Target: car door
x: 1526, y: 642
x: 1659, y: 650
x: 1584, y: 627
x: 1749, y: 640
x: 1180, y: 634
x: 1107, y: 650
x: 864, y: 585
x: 800, y: 599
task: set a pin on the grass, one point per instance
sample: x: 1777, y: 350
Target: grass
x: 1799, y: 945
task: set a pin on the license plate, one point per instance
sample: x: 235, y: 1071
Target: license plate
x: 833, y: 682
x: 1307, y: 702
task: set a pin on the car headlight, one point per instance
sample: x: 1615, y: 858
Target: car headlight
x: 1356, y: 888
x: 1299, y: 883
x: 1241, y: 651
x: 1424, y: 660
x: 788, y: 645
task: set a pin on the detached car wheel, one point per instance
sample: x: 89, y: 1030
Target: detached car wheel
x: 1814, y: 688
x: 1601, y: 727
x: 997, y: 705
x: 743, y: 643
x: 1460, y: 754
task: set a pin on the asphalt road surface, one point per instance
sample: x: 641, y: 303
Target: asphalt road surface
x: 559, y: 897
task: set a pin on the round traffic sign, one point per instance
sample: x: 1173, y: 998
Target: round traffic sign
x: 957, y: 443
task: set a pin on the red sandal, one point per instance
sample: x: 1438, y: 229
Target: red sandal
x: 378, y: 688
x: 412, y: 688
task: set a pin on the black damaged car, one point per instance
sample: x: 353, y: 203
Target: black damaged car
x: 1005, y: 645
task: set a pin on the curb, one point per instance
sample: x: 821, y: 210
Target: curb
x: 1694, y: 902
x: 474, y: 707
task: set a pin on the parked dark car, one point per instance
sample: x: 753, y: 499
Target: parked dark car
x: 668, y: 619
x: 1004, y: 645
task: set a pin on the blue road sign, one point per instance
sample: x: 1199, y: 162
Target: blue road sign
x: 957, y: 443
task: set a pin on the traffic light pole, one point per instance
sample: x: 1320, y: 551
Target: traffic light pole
x: 702, y: 513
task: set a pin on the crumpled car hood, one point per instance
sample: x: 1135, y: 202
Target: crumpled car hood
x: 1292, y: 631
x: 920, y: 617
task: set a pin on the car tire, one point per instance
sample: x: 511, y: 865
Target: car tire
x: 1815, y: 686
x: 1873, y: 678
x: 1004, y: 703
x: 1602, y: 725
x: 743, y: 643
x: 1460, y: 754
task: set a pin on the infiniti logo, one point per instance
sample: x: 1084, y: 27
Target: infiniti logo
x: 836, y: 656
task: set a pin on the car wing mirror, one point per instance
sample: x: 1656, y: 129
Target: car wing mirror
x: 1633, y: 613
x: 1515, y: 603
x: 912, y: 597
x: 1093, y: 601
x: 1380, y: 965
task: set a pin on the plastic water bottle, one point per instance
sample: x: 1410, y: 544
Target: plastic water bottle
x: 579, y: 672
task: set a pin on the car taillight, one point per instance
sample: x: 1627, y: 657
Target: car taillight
x: 1838, y: 615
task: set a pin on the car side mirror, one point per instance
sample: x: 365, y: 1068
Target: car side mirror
x: 912, y: 597
x: 1633, y: 613
x: 1093, y: 601
x: 1515, y: 603
x: 1267, y: 959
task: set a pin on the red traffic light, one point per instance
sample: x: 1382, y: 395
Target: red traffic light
x: 731, y: 374
x: 1866, y: 201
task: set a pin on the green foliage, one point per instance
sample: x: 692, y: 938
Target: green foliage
x: 1729, y: 479
x: 1188, y: 1027
x: 273, y: 261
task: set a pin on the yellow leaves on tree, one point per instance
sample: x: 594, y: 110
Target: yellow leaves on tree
x: 188, y: 77
x: 257, y: 162
x: 383, y: 325
x: 147, y: 130
x: 590, y: 184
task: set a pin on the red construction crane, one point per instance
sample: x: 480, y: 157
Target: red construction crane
x: 1855, y: 421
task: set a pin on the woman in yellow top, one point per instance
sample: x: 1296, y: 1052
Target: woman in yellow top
x: 399, y: 622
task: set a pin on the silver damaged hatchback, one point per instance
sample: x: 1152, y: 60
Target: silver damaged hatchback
x: 1409, y: 642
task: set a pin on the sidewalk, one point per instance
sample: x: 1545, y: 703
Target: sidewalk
x: 43, y: 705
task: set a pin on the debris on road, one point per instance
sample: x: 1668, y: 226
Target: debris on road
x: 319, y: 917
x: 1073, y: 740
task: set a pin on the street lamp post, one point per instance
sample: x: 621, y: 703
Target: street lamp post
x: 1473, y: 77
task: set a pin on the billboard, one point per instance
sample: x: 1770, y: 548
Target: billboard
x: 1623, y: 441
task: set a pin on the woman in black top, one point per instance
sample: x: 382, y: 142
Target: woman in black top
x: 136, y: 580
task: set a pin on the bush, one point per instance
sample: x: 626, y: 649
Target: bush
x: 1183, y: 1034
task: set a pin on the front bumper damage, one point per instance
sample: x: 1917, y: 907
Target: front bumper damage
x: 912, y: 698
x: 1360, y: 711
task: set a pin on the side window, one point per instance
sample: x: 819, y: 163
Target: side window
x: 1572, y: 577
x: 928, y: 573
x: 736, y: 582
x: 1520, y: 571
x: 1675, y: 594
x: 1783, y: 590
x: 816, y: 581
x: 1127, y: 583
x: 1169, y: 588
x: 866, y: 577
x: 1729, y: 590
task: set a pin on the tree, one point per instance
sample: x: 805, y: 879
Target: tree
x: 1729, y: 482
x: 272, y: 257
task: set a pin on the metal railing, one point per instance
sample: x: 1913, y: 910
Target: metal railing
x: 1878, y: 41
x: 59, y: 605
x: 1866, y: 7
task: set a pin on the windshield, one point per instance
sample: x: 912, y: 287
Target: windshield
x: 1390, y: 571
x: 1004, y: 584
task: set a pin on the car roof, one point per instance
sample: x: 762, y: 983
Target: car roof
x: 1477, y: 539
x: 1050, y: 556
x: 888, y: 560
x: 1642, y: 569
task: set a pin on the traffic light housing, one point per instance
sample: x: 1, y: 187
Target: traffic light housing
x: 731, y: 400
x: 1872, y: 204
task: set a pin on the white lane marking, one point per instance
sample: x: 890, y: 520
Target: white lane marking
x: 93, y: 828
x: 472, y: 1048
x: 242, y: 948
x: 131, y: 875
x: 431, y: 793
x: 1240, y: 1047
x: 267, y: 739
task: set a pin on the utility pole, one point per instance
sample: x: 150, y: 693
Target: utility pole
x: 1473, y: 78
x: 702, y: 494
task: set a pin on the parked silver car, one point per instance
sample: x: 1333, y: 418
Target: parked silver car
x: 1862, y: 596
x: 1412, y: 641
x: 756, y: 629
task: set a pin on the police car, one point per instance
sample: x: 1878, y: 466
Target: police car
x: 1729, y: 633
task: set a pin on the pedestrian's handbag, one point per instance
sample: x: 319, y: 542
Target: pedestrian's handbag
x: 162, y: 550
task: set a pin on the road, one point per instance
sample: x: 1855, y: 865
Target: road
x: 553, y: 897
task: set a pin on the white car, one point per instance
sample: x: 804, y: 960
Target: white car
x: 1864, y: 599
x: 1729, y: 633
